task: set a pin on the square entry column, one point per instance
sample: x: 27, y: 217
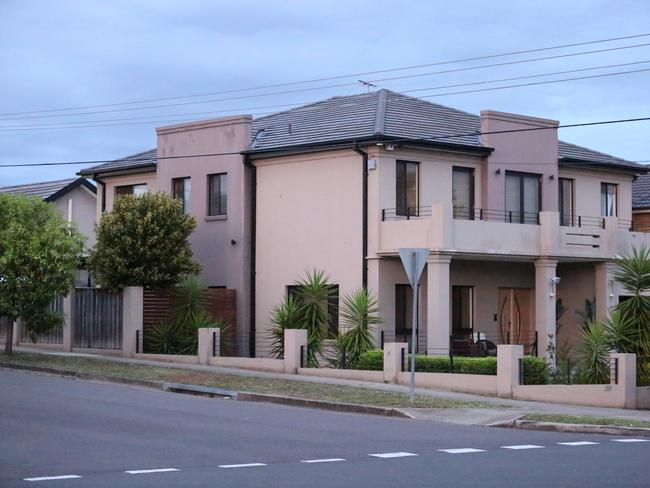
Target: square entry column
x: 545, y: 297
x: 438, y: 305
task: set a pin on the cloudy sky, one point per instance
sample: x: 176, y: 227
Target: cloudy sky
x: 97, y: 54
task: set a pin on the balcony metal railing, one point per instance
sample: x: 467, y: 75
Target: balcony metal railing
x: 581, y: 221
x: 406, y: 214
x: 508, y: 216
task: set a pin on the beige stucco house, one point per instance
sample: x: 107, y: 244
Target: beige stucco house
x: 514, y: 219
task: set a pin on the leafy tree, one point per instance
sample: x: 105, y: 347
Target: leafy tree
x: 143, y: 242
x: 39, y: 255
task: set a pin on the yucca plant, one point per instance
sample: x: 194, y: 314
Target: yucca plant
x: 163, y: 338
x: 359, y: 315
x: 283, y: 316
x: 594, y: 366
x: 190, y: 300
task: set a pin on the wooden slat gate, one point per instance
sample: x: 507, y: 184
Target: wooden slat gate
x: 4, y: 323
x: 97, y: 319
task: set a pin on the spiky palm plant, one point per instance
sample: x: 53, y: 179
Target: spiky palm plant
x: 594, y: 366
x: 359, y: 315
x: 284, y: 316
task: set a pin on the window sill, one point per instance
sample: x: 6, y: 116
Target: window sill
x: 216, y: 217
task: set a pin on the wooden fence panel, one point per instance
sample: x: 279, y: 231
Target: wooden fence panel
x: 97, y: 319
x: 4, y: 324
x: 54, y: 336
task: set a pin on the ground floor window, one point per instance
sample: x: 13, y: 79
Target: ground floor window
x: 462, y: 311
x: 404, y: 314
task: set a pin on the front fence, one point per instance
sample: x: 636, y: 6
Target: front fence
x: 53, y: 336
x: 4, y: 325
x: 97, y: 319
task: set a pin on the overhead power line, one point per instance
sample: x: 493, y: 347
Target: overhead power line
x: 10, y: 115
x: 338, y: 144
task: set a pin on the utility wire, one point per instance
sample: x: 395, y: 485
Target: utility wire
x: 81, y: 123
x: 335, y: 144
x: 12, y: 116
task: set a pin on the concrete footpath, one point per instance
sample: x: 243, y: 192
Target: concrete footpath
x: 501, y: 411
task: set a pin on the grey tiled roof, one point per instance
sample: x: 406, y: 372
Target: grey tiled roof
x: 142, y: 159
x: 47, y: 190
x: 641, y: 192
x: 382, y: 114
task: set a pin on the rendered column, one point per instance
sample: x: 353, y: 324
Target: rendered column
x: 209, y: 342
x: 545, y: 297
x: 68, y: 320
x: 508, y: 368
x: 294, y: 339
x: 393, y: 356
x: 626, y: 378
x: 17, y: 332
x: 132, y: 300
x: 438, y: 305
x: 605, y: 298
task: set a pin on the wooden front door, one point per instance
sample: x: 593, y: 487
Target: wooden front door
x: 515, y: 316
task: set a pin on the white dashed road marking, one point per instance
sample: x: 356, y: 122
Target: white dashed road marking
x: 523, y: 446
x: 386, y: 455
x: 464, y: 450
x: 330, y: 460
x: 147, y: 471
x: 249, y: 465
x: 630, y: 440
x: 578, y: 443
x: 49, y: 478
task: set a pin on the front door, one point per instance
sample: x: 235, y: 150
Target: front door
x: 515, y: 316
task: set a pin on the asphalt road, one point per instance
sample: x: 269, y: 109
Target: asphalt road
x: 95, y: 433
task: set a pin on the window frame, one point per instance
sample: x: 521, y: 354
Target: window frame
x: 404, y: 299
x: 132, y: 190
x: 522, y: 175
x: 187, y: 203
x: 571, y: 219
x: 463, y: 330
x: 469, y: 215
x: 222, y: 212
x: 603, y: 193
x: 402, y: 208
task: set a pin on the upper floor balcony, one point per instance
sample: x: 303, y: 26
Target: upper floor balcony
x: 499, y: 232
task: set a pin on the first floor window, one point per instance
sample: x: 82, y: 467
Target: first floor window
x: 462, y: 192
x: 406, y: 189
x: 181, y: 190
x: 566, y: 201
x: 523, y: 197
x: 218, y: 194
x: 135, y: 190
x: 608, y: 200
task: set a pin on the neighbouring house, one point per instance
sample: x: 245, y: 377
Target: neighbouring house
x: 74, y: 198
x: 641, y: 204
x: 514, y: 218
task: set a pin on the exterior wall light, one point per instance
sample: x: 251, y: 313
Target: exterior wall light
x: 498, y: 171
x: 554, y: 282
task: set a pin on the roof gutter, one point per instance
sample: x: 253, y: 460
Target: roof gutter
x: 364, y: 216
x: 103, y: 185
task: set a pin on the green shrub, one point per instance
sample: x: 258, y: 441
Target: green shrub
x: 536, y: 371
x: 371, y: 360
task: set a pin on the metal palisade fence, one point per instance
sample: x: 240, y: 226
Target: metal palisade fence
x: 97, y: 319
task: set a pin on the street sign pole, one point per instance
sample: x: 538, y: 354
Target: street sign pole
x: 413, y: 261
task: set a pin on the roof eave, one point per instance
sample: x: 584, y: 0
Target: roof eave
x: 71, y: 186
x: 628, y: 168
x: 143, y: 168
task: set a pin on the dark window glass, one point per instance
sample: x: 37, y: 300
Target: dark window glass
x: 462, y: 188
x: 462, y: 310
x: 407, y: 188
x: 332, y: 306
x: 404, y: 315
x: 135, y: 190
x: 523, y: 197
x: 182, y: 189
x: 608, y: 204
x: 217, y: 194
x: 565, y: 187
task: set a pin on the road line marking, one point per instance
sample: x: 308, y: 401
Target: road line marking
x: 523, y: 446
x: 630, y: 440
x: 147, y: 471
x: 464, y: 450
x: 578, y: 443
x: 330, y: 460
x: 387, y: 455
x: 49, y: 478
x: 249, y: 465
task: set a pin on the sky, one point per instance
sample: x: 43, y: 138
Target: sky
x: 76, y: 54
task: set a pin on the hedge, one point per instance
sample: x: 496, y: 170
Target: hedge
x: 535, y: 369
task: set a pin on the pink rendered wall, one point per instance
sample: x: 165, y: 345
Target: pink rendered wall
x: 527, y: 151
x: 221, y: 244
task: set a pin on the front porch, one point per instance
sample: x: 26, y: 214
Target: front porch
x: 468, y: 305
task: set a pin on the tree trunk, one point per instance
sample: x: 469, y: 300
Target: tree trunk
x: 9, y: 339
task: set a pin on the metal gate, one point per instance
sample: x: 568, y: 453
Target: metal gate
x: 97, y: 319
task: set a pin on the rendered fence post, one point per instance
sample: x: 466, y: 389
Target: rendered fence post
x: 626, y: 378
x: 293, y: 340
x: 68, y: 320
x: 393, y: 360
x: 508, y: 368
x: 206, y: 344
x: 132, y: 301
x: 17, y: 332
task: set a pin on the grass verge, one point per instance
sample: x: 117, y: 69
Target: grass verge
x: 298, y: 389
x: 586, y: 419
